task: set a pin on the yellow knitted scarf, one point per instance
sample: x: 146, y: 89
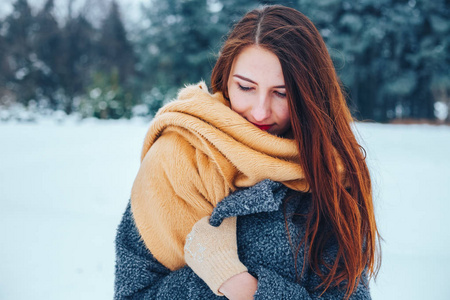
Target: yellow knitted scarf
x: 196, y: 151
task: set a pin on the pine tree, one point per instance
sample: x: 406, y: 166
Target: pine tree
x: 388, y: 53
x: 78, y: 58
x: 4, y: 66
x: 47, y: 43
x: 115, y: 51
x: 173, y: 47
x: 430, y: 57
x: 19, y: 52
x: 180, y: 42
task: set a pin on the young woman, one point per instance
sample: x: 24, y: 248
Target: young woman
x: 259, y: 190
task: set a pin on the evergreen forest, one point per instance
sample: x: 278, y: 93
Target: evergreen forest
x: 393, y: 56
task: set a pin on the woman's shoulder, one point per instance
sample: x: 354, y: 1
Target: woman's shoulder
x: 170, y: 144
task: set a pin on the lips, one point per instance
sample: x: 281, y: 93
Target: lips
x: 263, y: 127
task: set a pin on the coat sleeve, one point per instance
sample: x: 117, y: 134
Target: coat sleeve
x: 138, y: 275
x: 273, y: 286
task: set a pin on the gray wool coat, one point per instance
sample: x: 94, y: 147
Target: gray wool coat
x: 263, y: 247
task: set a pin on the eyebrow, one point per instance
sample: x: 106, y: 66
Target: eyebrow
x: 249, y: 80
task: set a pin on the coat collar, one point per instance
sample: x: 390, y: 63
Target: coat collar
x: 265, y: 196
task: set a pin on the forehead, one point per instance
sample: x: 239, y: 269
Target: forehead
x: 258, y: 64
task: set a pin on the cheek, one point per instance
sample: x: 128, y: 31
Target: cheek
x: 283, y: 113
x: 238, y: 103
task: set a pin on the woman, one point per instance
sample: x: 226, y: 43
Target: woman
x: 259, y: 190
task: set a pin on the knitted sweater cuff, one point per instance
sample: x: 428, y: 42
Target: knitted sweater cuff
x: 222, y: 270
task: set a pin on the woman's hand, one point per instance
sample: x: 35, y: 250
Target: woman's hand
x: 211, y: 252
x: 240, y: 287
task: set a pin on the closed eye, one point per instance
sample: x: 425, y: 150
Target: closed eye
x: 244, y: 88
x: 281, y: 95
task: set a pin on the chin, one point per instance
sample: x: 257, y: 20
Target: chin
x: 285, y: 133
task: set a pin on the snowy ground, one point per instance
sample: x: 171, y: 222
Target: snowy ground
x: 63, y: 188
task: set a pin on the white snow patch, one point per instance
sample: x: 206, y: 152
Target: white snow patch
x: 64, y: 187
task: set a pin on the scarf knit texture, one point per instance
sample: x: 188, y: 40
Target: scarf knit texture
x: 195, y: 153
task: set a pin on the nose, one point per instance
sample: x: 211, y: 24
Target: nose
x: 261, y: 110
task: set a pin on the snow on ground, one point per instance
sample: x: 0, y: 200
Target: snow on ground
x: 64, y: 187
x: 410, y: 165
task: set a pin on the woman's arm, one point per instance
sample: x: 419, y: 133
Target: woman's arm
x: 216, y: 251
x: 273, y: 286
x: 270, y: 285
x: 211, y: 252
x: 139, y: 275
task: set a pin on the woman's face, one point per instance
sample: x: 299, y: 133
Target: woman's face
x: 257, y: 92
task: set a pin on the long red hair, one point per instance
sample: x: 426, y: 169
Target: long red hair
x: 321, y: 126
